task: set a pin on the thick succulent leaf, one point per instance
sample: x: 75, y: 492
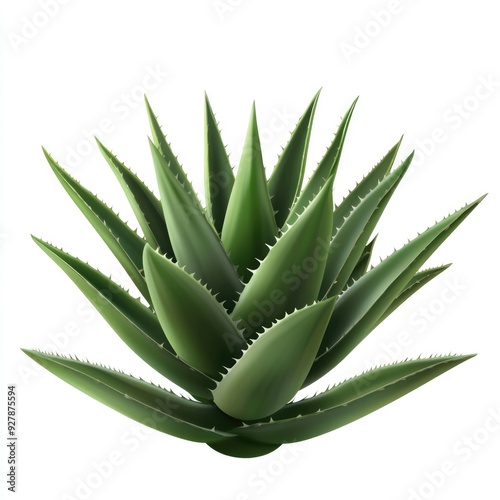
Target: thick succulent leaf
x: 362, y: 265
x: 326, y: 168
x: 249, y: 225
x: 134, y: 323
x: 146, y: 206
x: 219, y: 177
x: 365, y: 186
x: 348, y: 401
x: 361, y: 306
x: 195, y: 242
x: 163, y: 146
x: 273, y: 368
x: 195, y: 323
x: 286, y: 180
x: 350, y: 240
x: 290, y: 276
x: 416, y: 283
x: 241, y: 447
x: 126, y: 244
x: 146, y: 403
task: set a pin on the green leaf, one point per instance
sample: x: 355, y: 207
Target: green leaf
x: 415, y: 284
x: 146, y: 207
x: 219, y: 177
x: 272, y: 369
x: 362, y: 265
x: 348, y: 401
x: 126, y: 244
x: 249, y: 224
x: 145, y: 403
x: 290, y: 276
x: 134, y: 323
x: 286, y: 180
x: 364, y: 303
x: 163, y: 146
x: 198, y: 327
x: 195, y: 242
x: 326, y: 168
x: 350, y: 240
x: 365, y: 186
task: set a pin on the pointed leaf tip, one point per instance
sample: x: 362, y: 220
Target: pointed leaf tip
x: 219, y: 176
x: 272, y: 369
x: 249, y: 223
x: 280, y: 279
x: 195, y: 242
x: 285, y: 182
x: 194, y: 322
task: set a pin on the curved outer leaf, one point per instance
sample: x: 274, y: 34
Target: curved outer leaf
x: 326, y: 168
x: 125, y: 243
x: 290, y: 276
x: 146, y: 403
x: 146, y: 206
x: 367, y: 184
x: 348, y: 401
x: 349, y: 242
x: 171, y: 160
x: 219, y: 177
x: 361, y: 306
x: 195, y: 242
x: 249, y: 224
x: 134, y: 323
x: 416, y: 283
x: 272, y: 369
x: 286, y: 180
x: 198, y: 327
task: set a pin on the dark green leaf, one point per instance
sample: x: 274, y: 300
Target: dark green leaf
x: 364, y: 303
x: 134, y: 323
x: 290, y: 276
x: 272, y: 369
x: 219, y: 177
x: 146, y: 206
x: 249, y: 225
x: 326, y: 168
x: 197, y: 326
x: 126, y: 244
x: 286, y: 180
x: 145, y: 403
x: 195, y: 242
x: 348, y: 401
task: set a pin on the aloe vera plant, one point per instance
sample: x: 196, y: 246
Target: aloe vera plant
x: 251, y: 296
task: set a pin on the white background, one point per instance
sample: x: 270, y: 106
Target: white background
x: 420, y: 68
